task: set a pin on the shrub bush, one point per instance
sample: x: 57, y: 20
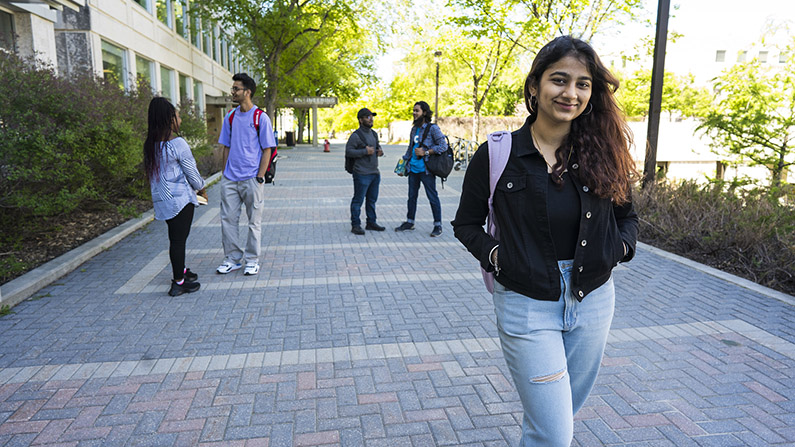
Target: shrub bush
x: 69, y: 145
x: 749, y: 232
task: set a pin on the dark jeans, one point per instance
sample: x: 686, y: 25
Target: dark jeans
x: 364, y: 186
x: 429, y: 181
x: 178, y: 231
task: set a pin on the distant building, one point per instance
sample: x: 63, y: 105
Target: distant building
x: 158, y: 41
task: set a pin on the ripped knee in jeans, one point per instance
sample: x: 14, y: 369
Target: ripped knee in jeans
x: 549, y: 378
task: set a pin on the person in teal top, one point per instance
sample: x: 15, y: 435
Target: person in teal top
x: 426, y: 139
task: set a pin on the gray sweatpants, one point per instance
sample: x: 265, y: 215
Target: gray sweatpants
x: 233, y: 196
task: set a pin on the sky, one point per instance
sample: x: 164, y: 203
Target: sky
x: 707, y: 25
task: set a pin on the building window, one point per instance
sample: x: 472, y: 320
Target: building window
x: 114, y: 69
x: 144, y: 4
x: 782, y: 57
x: 741, y: 55
x: 145, y: 70
x: 216, y: 56
x: 184, y: 93
x: 224, y: 53
x: 208, y: 37
x: 720, y: 56
x: 198, y: 96
x: 167, y: 83
x: 6, y: 31
x: 181, y: 17
x: 164, y: 11
x: 196, y: 32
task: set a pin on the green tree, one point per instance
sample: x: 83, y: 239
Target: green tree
x: 487, y: 36
x: 280, y: 37
x: 753, y: 118
x: 680, y: 97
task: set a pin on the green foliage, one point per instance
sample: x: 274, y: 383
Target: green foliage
x: 746, y: 231
x: 679, y: 98
x: 65, y: 141
x: 298, y: 48
x: 5, y: 310
x: 753, y: 119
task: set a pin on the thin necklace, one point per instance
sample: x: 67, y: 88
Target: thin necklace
x: 538, y: 147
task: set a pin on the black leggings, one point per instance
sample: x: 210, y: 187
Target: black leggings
x: 178, y: 231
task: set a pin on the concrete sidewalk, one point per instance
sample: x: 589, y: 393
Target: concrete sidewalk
x: 355, y: 341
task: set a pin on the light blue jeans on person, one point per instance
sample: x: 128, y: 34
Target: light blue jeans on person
x: 553, y: 350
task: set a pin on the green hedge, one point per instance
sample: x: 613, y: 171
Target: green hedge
x: 66, y: 141
x: 71, y: 144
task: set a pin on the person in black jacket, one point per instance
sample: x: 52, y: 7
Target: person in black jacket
x: 565, y: 217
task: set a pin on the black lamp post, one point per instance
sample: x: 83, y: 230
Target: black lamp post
x: 437, y: 57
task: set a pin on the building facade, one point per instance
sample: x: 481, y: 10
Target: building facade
x: 155, y: 44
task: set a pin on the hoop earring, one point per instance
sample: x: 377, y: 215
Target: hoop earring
x: 588, y: 111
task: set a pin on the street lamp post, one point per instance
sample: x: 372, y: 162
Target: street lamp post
x: 437, y: 57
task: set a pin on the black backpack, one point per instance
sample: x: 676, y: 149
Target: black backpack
x: 441, y: 165
x: 350, y: 161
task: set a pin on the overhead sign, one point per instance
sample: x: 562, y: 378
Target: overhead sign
x: 312, y: 101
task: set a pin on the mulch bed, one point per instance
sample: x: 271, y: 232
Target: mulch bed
x: 62, y: 234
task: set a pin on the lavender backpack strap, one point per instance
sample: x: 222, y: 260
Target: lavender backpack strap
x: 499, y: 151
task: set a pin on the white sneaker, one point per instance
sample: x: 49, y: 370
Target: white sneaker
x: 251, y: 269
x: 227, y: 267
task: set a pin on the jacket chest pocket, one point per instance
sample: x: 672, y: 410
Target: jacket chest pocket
x: 513, y: 189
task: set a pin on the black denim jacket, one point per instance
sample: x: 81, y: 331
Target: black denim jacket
x: 526, y: 256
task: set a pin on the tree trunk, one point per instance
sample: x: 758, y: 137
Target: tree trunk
x: 301, y: 123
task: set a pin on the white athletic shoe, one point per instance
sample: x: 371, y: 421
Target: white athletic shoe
x: 227, y: 267
x: 251, y: 269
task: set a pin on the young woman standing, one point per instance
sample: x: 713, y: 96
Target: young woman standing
x: 565, y: 217
x: 174, y: 180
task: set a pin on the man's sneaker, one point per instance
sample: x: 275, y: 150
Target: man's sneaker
x: 227, y: 267
x: 374, y: 227
x: 357, y: 229
x: 251, y: 269
x: 405, y: 226
x: 185, y: 287
x: 437, y: 231
x: 190, y: 276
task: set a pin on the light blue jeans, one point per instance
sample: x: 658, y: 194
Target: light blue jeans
x: 553, y: 350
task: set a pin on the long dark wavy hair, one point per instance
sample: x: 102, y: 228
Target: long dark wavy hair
x: 162, y: 119
x: 427, y: 113
x: 600, y: 139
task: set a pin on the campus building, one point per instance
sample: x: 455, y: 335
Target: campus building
x: 156, y: 42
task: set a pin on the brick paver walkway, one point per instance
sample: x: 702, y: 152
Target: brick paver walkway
x: 386, y: 339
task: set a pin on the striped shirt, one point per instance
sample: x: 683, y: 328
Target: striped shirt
x: 178, y: 179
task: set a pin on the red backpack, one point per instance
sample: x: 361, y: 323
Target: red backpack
x: 270, y: 173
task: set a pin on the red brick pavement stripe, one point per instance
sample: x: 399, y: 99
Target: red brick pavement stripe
x: 180, y: 426
x: 53, y: 431
x: 320, y: 438
x: 13, y: 428
x: 377, y: 398
x: 60, y: 398
x: 765, y: 392
x: 27, y: 410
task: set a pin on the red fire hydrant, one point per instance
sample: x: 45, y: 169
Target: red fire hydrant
x: 326, y: 146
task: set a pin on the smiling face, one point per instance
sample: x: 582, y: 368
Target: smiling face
x: 563, y: 91
x: 239, y: 92
x: 416, y: 112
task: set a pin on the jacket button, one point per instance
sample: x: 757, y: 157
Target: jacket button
x: 585, y: 188
x: 588, y: 215
x: 575, y: 166
x: 580, y: 293
x: 579, y: 269
x: 584, y: 243
x: 509, y: 185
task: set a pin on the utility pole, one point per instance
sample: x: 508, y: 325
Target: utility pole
x: 655, y: 102
x: 437, y: 56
